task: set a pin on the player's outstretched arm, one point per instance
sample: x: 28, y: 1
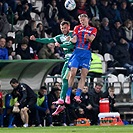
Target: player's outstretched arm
x: 42, y: 40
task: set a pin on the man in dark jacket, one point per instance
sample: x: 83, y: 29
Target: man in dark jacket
x: 26, y: 99
x: 93, y: 108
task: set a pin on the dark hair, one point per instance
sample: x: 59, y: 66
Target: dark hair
x: 39, y: 25
x: 43, y: 88
x: 64, y: 22
x: 54, y: 89
x: 99, y: 84
x: 56, y: 82
x: 10, y: 38
x: 25, y: 40
x: 13, y: 80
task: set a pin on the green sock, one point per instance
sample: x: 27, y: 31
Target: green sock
x: 64, y: 88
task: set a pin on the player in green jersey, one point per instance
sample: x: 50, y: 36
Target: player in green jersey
x: 61, y: 41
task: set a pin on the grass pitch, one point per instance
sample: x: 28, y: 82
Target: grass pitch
x: 72, y: 129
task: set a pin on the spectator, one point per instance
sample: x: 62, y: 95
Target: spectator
x: 23, y: 51
x: 3, y: 50
x: 92, y: 9
x: 105, y: 36
x: 128, y: 35
x: 26, y: 99
x: 124, y: 11
x: 54, y: 96
x: 52, y: 17
x: 31, y: 29
x: 121, y: 54
x: 111, y: 96
x: 47, y: 52
x: 9, y: 43
x: 41, y: 31
x: 116, y: 31
x: 42, y: 110
x: 93, y: 106
x: 81, y: 7
x: 72, y: 109
x: 8, y: 114
x: 24, y: 10
x: 114, y: 14
x: 103, y: 9
x: 96, y: 45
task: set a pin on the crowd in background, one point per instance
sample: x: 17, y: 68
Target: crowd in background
x: 113, y: 19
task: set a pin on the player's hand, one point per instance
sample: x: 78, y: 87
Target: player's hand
x: 68, y: 38
x: 32, y: 38
x: 86, y: 36
x: 57, y: 44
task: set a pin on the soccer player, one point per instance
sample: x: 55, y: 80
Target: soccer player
x: 83, y: 36
x: 61, y: 41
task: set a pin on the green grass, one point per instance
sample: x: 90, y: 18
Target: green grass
x: 74, y: 129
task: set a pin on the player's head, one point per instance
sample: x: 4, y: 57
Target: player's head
x: 83, y: 19
x: 65, y: 27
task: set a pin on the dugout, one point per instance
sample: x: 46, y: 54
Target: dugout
x: 31, y: 72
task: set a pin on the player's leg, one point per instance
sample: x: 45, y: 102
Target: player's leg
x: 84, y: 72
x: 85, y: 65
x: 71, y: 77
x: 64, y: 88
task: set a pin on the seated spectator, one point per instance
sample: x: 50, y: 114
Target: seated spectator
x: 83, y: 113
x: 24, y: 9
x: 81, y: 7
x: 116, y: 31
x: 9, y: 115
x: 4, y: 26
x: 105, y: 36
x: 54, y: 96
x: 92, y: 9
x: 42, y: 110
x: 121, y: 54
x: 128, y: 35
x: 93, y: 106
x: 114, y: 14
x: 9, y: 43
x: 72, y: 109
x: 47, y: 52
x: 3, y: 49
x: 31, y: 29
x: 51, y: 14
x: 111, y: 96
x: 23, y: 51
x: 103, y: 8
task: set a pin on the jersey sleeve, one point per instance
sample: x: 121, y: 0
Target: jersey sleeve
x: 45, y: 40
x: 94, y: 32
x: 75, y: 31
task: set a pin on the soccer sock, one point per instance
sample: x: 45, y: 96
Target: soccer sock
x: 69, y: 90
x: 64, y: 88
x: 78, y: 92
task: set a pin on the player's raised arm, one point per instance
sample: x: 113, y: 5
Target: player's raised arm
x: 42, y: 40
